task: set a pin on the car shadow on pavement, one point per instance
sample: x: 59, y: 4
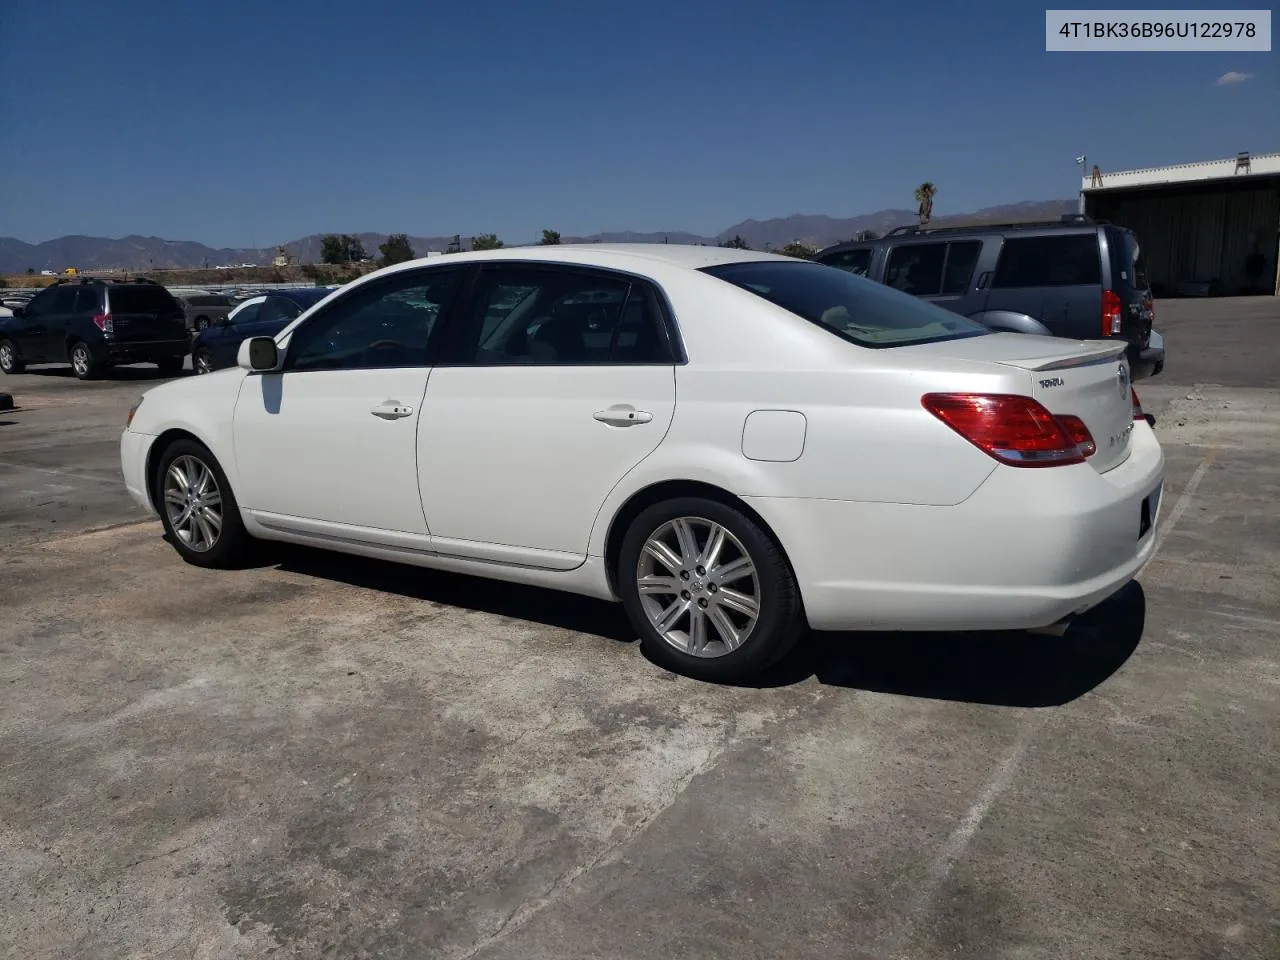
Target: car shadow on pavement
x: 551, y: 608
x: 1007, y: 668
x: 113, y: 373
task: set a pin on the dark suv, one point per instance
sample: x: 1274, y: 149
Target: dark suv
x: 1073, y: 277
x: 93, y: 323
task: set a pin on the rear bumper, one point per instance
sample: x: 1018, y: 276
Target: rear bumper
x: 142, y: 351
x: 1148, y: 361
x: 1027, y: 549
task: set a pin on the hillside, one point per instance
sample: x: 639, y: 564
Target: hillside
x: 156, y: 253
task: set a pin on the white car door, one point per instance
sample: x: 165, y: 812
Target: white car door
x: 326, y: 445
x: 564, y: 381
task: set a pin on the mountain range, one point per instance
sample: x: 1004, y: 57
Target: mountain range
x: 150, y: 253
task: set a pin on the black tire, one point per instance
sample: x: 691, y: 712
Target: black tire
x: 82, y: 363
x: 202, y: 361
x: 10, y: 359
x: 233, y: 542
x: 170, y: 366
x: 780, y: 621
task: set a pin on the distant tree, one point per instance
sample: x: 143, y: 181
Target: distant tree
x: 924, y: 197
x: 550, y: 238
x: 397, y: 249
x: 866, y: 235
x: 455, y: 245
x: 737, y: 243
x: 31, y: 271
x: 486, y: 241
x: 341, y: 248
x: 798, y: 250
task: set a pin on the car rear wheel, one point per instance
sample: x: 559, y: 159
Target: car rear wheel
x: 170, y: 366
x: 202, y: 323
x: 709, y: 592
x: 82, y: 362
x: 197, y: 507
x: 202, y: 361
x: 10, y: 362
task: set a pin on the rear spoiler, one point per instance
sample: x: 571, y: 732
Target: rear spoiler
x: 1093, y: 351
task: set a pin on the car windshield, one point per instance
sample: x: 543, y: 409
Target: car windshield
x: 858, y: 310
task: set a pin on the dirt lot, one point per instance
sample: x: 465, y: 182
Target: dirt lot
x: 326, y: 757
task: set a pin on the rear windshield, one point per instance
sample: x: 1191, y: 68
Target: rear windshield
x: 142, y: 299
x: 855, y: 309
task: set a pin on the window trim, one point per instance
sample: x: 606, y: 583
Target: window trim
x: 868, y: 245
x: 438, y: 331
x: 464, y: 341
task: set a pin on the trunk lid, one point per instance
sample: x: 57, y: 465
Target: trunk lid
x: 1088, y: 379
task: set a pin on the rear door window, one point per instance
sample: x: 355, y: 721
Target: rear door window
x: 916, y: 268
x: 64, y: 300
x: 857, y: 262
x: 1065, y: 260
x: 962, y: 258
x: 142, y: 299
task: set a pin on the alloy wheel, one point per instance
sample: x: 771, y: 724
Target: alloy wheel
x: 6, y: 357
x: 193, y: 503
x: 699, y: 587
x: 80, y: 360
x: 202, y: 361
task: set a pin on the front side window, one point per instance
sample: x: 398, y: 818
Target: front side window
x: 380, y: 325
x: 857, y: 262
x: 247, y: 312
x: 277, y: 309
x: 550, y: 316
x: 916, y: 268
x: 853, y: 308
x: 1065, y: 260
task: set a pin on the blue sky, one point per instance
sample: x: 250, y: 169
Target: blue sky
x: 248, y: 123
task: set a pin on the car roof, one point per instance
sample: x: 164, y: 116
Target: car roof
x: 611, y: 255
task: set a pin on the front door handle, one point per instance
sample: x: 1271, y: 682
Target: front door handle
x: 623, y: 415
x: 392, y: 410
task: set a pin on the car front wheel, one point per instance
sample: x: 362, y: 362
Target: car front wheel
x: 197, y: 507
x: 202, y: 361
x: 708, y: 590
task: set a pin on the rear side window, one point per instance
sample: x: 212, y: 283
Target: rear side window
x: 853, y: 308
x: 1135, y: 265
x: 142, y: 299
x: 64, y: 299
x: 1066, y: 260
x: 857, y: 262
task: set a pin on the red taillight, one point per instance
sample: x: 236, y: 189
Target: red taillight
x: 1079, y: 435
x: 103, y: 322
x: 1013, y: 429
x: 1110, y: 314
x: 1138, y: 413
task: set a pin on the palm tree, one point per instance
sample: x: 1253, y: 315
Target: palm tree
x: 924, y: 197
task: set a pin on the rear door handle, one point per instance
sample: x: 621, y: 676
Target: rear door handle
x: 623, y: 415
x: 392, y: 410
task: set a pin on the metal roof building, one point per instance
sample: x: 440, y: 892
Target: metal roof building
x: 1211, y: 227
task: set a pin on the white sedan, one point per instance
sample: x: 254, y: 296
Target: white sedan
x: 733, y: 444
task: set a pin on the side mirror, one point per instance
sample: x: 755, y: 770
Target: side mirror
x: 258, y: 355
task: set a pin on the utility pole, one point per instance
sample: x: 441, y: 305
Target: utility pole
x: 1082, y: 162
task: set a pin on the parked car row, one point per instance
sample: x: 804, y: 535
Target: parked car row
x: 1074, y: 277
x: 733, y: 444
